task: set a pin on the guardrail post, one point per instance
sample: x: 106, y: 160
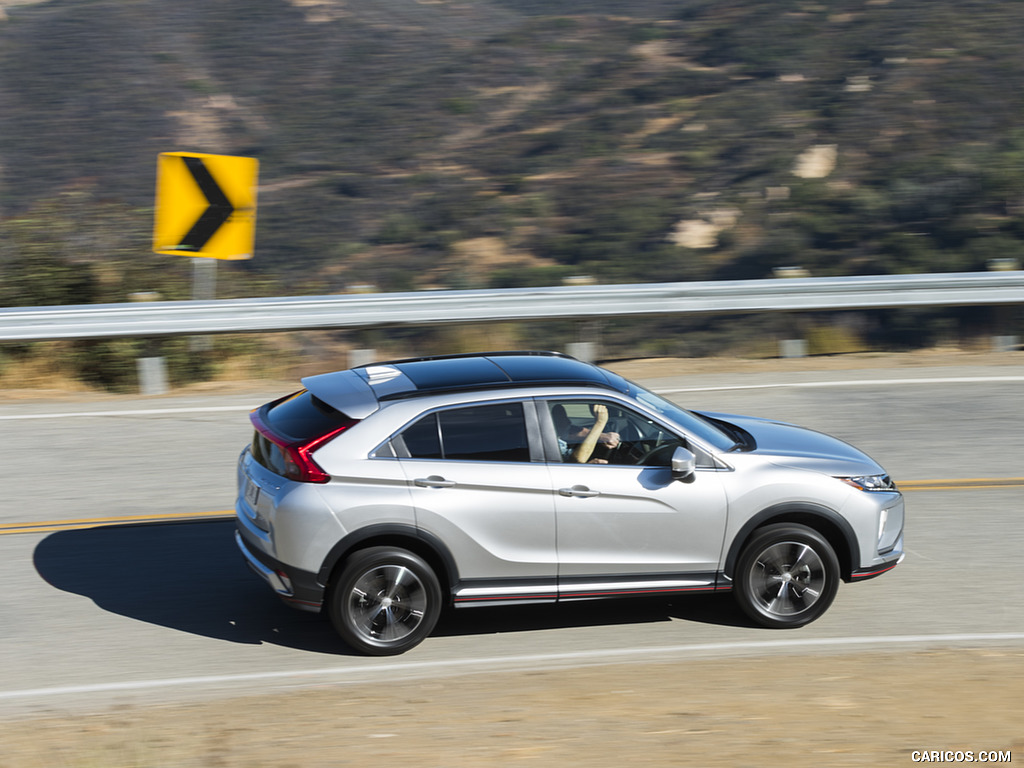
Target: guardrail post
x: 152, y: 375
x: 152, y: 369
x: 1005, y: 343
x: 793, y: 348
x: 797, y: 347
x: 587, y: 346
x: 1003, y: 315
x: 357, y: 357
x: 582, y: 350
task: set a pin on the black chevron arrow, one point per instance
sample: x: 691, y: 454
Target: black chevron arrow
x: 218, y: 211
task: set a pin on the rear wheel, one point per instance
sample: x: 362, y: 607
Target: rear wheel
x: 385, y: 601
x: 786, y: 576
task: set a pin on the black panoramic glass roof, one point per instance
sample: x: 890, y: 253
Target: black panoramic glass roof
x: 403, y: 378
x: 551, y: 369
x: 445, y: 374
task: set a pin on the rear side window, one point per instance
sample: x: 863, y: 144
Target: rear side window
x: 422, y: 439
x: 477, y: 433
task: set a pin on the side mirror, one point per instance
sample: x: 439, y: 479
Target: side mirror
x: 684, y: 464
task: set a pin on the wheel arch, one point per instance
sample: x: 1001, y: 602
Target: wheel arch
x: 430, y: 548
x: 827, y: 522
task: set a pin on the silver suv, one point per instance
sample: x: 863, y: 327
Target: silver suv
x: 387, y: 492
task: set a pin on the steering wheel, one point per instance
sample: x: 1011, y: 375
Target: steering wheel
x: 602, y: 451
x: 627, y: 452
x: 659, y: 456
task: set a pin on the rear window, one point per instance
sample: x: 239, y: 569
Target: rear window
x: 303, y: 416
x: 283, y: 428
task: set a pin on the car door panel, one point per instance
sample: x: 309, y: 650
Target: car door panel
x: 624, y: 526
x: 495, y: 513
x: 503, y: 514
x: 621, y: 520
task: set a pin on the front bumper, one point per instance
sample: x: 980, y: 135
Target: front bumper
x: 295, y: 587
x: 892, y: 558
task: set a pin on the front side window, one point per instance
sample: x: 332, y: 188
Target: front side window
x: 476, y: 433
x: 701, y: 427
x: 593, y: 432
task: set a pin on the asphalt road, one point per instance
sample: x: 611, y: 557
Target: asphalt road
x: 100, y: 615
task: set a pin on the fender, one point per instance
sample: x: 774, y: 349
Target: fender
x: 397, y: 534
x: 801, y: 513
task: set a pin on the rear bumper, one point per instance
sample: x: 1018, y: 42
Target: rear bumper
x: 295, y: 587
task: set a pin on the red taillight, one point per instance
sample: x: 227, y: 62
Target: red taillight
x: 298, y: 460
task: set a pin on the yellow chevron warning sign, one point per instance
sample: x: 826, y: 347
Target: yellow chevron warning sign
x: 205, y: 205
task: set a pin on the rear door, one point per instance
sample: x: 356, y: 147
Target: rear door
x: 480, y: 485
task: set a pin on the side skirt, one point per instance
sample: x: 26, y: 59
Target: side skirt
x: 597, y: 587
x: 481, y: 592
x: 524, y: 592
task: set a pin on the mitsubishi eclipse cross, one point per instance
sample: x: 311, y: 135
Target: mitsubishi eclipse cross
x: 385, y: 493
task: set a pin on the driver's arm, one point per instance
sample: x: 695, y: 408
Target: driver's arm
x: 584, y: 450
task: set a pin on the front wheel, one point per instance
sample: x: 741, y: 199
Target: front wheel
x: 385, y: 601
x: 786, y: 576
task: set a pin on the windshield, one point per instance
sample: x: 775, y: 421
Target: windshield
x: 699, y: 427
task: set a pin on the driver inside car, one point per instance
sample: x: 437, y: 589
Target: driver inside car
x: 576, y: 444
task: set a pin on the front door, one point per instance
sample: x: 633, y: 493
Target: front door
x: 624, y: 525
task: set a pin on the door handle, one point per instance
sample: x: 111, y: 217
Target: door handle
x: 433, y: 482
x: 579, y: 491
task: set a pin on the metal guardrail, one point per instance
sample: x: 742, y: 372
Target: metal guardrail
x: 433, y: 307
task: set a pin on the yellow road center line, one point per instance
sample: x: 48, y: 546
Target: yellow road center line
x: 50, y: 526
x: 961, y: 484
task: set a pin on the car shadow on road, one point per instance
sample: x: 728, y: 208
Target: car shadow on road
x: 191, y: 578
x: 185, y: 576
x: 705, y: 609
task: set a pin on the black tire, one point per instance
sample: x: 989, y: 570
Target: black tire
x: 385, y: 601
x: 787, y: 576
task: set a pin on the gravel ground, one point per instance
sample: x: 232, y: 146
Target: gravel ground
x: 810, y: 710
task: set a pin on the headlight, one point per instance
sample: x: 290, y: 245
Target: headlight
x: 870, y: 482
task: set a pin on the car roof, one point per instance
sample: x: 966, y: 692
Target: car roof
x: 359, y: 391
